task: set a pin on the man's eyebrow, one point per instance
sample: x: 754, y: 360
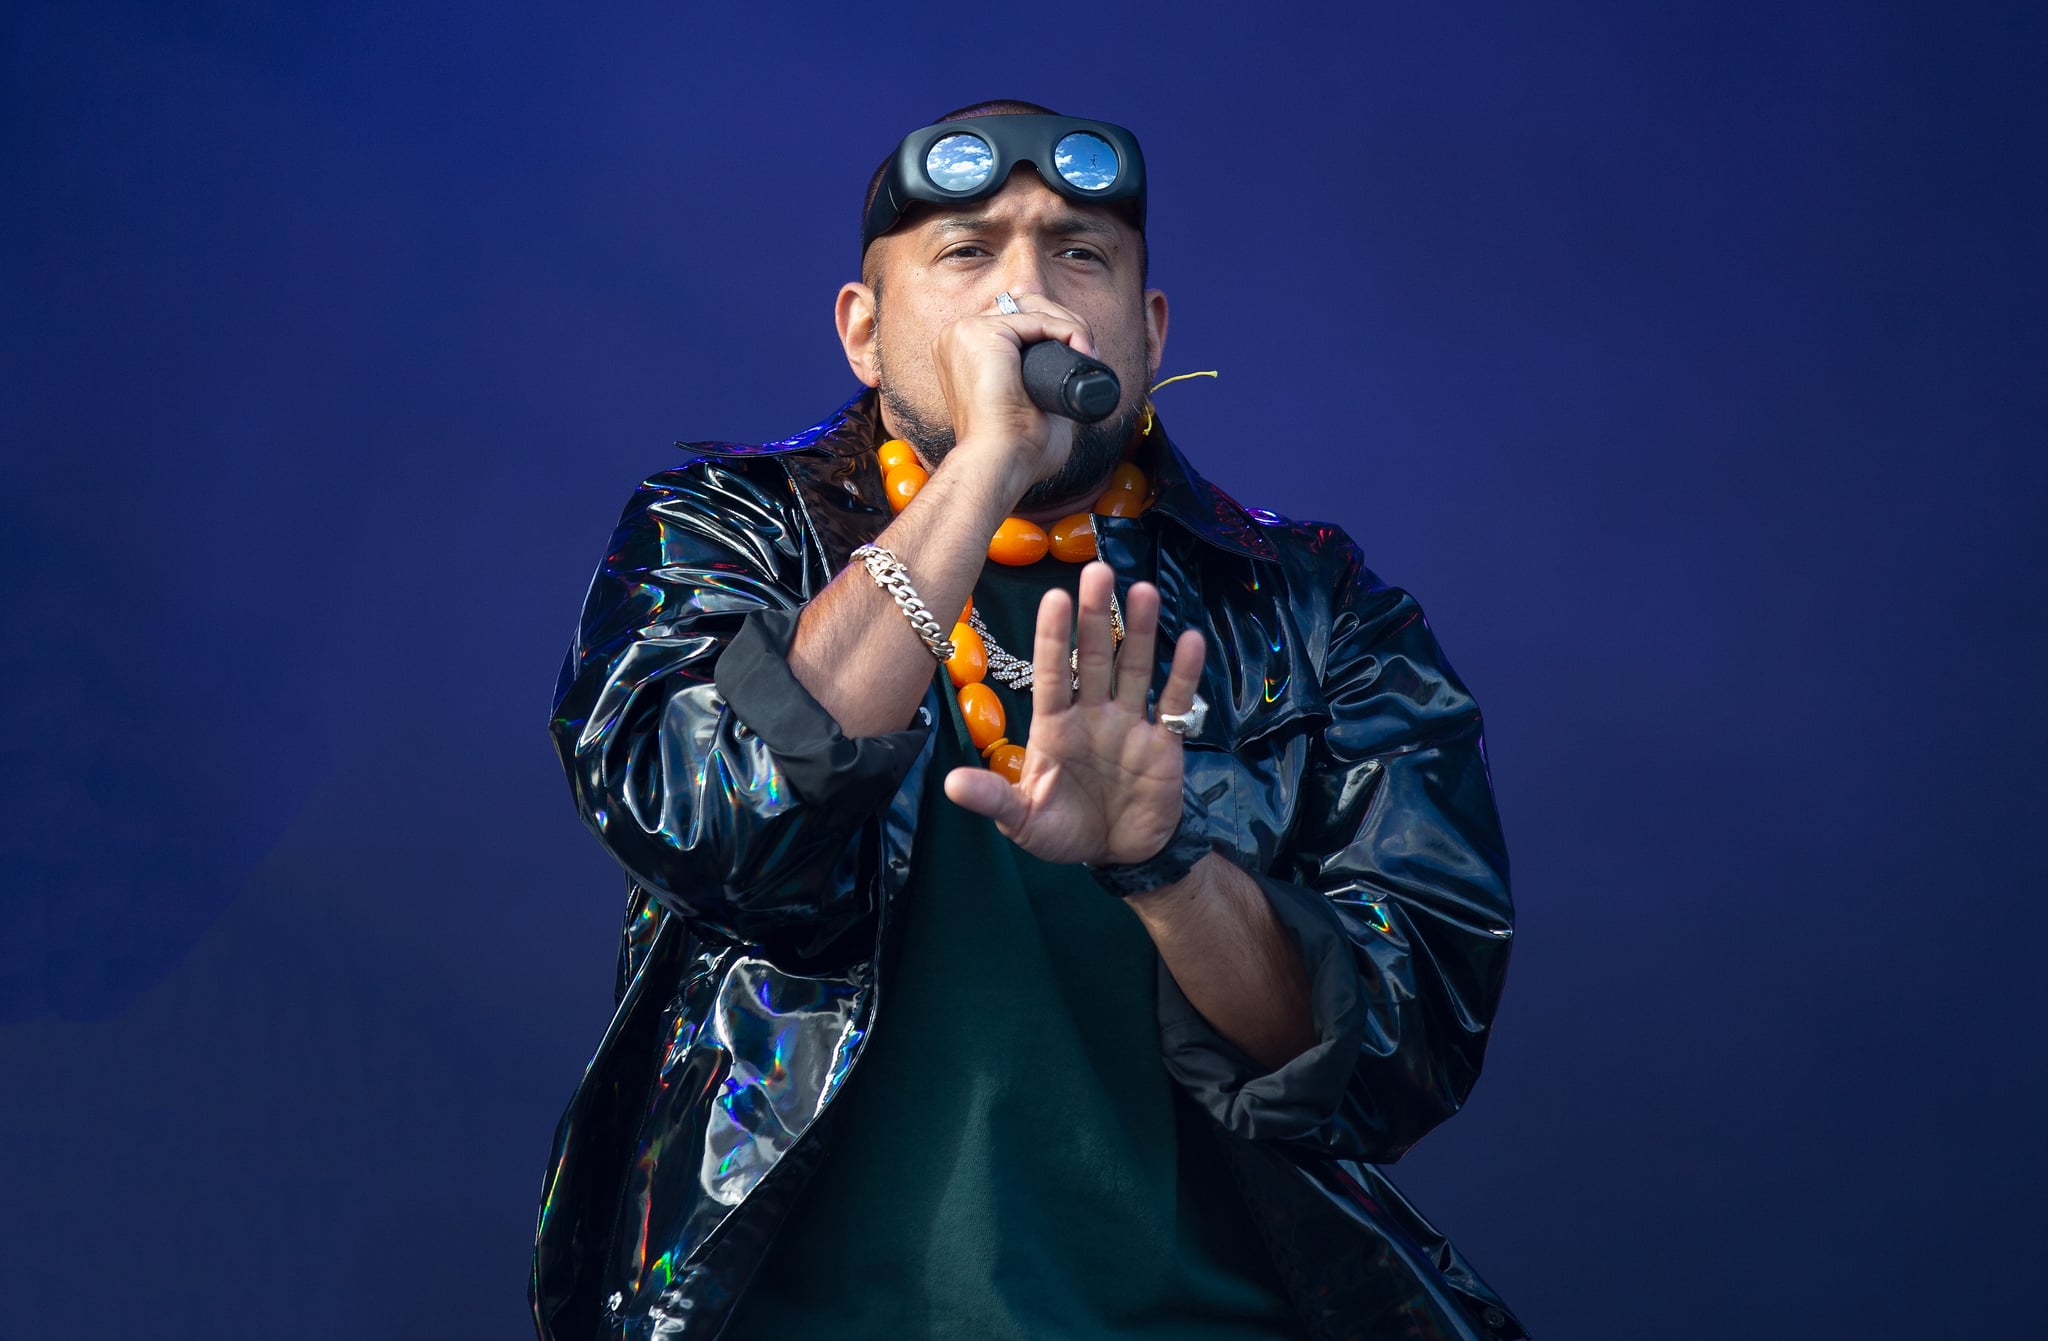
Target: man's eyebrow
x: 951, y: 224
x: 1088, y: 225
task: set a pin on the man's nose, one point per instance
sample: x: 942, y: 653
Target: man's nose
x: 1024, y: 271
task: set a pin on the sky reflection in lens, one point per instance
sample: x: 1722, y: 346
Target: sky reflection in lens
x: 1086, y: 161
x: 959, y: 162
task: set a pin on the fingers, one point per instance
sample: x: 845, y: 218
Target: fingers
x: 1178, y: 694
x: 1040, y: 318
x: 985, y: 793
x: 1107, y: 673
x: 1134, y: 658
x: 1093, y: 639
x: 1049, y: 691
x: 977, y: 362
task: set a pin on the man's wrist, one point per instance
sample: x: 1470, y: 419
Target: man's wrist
x: 1184, y: 849
x: 993, y: 470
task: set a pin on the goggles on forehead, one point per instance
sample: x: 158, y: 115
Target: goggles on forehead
x: 958, y: 161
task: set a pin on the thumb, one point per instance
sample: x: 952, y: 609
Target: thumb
x: 986, y: 794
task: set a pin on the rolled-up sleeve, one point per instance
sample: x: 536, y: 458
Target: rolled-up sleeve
x: 1295, y: 1100
x: 1393, y: 881
x: 824, y: 765
x: 702, y: 764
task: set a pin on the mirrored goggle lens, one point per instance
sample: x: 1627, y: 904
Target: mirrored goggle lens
x: 1086, y: 161
x: 959, y: 162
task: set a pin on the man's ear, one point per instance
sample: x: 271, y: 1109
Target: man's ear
x: 854, y: 315
x: 1155, y: 328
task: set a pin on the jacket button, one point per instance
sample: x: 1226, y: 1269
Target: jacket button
x: 1495, y: 1318
x: 924, y: 715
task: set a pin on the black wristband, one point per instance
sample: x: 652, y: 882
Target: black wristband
x: 1188, y: 845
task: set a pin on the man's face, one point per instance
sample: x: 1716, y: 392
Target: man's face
x: 1026, y: 239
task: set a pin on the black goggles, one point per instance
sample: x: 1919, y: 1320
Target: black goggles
x: 958, y: 161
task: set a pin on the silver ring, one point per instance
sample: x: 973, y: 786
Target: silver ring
x: 1007, y: 305
x: 1187, y: 723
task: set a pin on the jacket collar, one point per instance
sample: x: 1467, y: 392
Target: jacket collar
x: 1185, y: 498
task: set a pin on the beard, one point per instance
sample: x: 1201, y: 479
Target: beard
x: 1098, y: 447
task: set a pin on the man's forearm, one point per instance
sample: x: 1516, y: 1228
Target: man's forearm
x: 854, y: 651
x: 1233, y: 959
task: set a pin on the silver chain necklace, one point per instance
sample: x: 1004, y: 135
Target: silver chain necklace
x: 1015, y: 671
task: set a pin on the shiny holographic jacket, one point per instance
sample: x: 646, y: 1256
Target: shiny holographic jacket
x: 767, y: 857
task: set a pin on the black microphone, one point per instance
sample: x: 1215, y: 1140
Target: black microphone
x: 1073, y: 386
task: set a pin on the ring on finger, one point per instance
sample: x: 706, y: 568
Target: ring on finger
x: 1187, y: 723
x: 1007, y: 305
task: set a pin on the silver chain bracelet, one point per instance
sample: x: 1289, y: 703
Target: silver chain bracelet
x: 891, y: 576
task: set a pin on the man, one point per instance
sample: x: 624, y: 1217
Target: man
x: 1061, y: 991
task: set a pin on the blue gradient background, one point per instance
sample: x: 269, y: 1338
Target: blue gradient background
x: 1685, y: 359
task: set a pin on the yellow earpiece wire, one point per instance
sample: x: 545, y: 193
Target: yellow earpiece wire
x: 1146, y: 427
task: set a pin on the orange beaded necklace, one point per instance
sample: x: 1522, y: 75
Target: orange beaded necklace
x: 1017, y: 543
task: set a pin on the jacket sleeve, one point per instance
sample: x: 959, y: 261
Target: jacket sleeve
x: 1393, y: 883
x: 693, y: 752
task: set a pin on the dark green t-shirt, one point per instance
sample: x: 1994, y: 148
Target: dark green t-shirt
x: 1011, y: 1159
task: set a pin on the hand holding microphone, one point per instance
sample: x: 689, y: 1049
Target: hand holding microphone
x: 1063, y: 381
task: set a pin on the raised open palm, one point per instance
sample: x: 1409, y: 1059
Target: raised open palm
x: 1102, y: 779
